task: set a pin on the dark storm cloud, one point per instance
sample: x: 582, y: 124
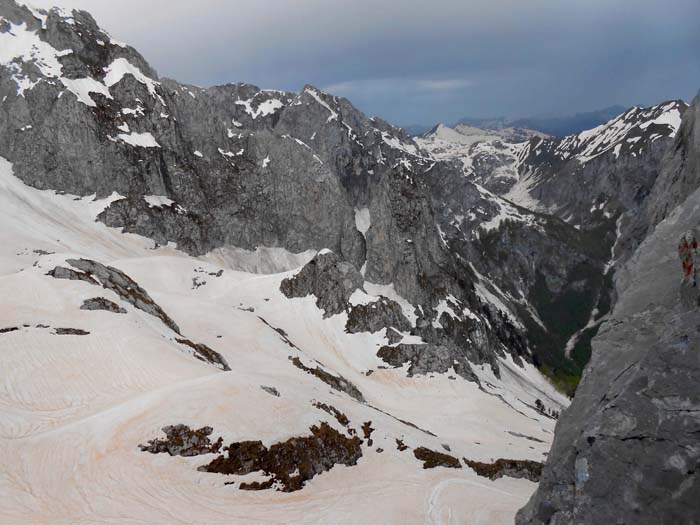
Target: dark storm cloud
x: 425, y: 61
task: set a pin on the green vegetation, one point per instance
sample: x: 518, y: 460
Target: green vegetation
x: 565, y: 383
x: 570, y: 309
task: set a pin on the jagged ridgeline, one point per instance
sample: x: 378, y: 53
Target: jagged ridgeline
x: 626, y: 449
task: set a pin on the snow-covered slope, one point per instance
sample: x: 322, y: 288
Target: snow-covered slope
x: 628, y: 133
x: 489, y: 156
x: 74, y: 408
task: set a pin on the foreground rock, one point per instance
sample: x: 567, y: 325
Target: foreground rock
x: 626, y: 450
x: 289, y: 464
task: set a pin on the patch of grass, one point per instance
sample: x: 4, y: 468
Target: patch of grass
x: 562, y: 381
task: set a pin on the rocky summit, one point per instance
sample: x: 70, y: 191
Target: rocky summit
x: 327, y: 319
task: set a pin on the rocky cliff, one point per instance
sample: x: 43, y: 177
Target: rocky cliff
x: 626, y: 451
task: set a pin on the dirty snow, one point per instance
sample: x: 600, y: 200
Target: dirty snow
x: 75, y: 408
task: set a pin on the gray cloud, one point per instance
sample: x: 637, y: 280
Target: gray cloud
x: 417, y: 61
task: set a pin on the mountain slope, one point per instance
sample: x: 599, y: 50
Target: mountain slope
x: 263, y: 263
x: 626, y: 449
x: 614, y: 164
x: 600, y: 183
x: 82, y: 403
x: 233, y: 304
x: 230, y: 166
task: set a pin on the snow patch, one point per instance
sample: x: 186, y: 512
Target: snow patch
x: 21, y: 44
x: 670, y: 118
x: 122, y: 67
x: 142, y: 140
x: 444, y: 307
x: 97, y: 206
x: 36, y: 13
x: 362, y: 220
x: 82, y: 87
x: 158, y: 201
x: 268, y: 107
x: 395, y: 143
x: 317, y: 97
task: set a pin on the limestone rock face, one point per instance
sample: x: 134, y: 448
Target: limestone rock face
x: 327, y: 277
x: 377, y: 315
x: 680, y: 175
x: 626, y: 450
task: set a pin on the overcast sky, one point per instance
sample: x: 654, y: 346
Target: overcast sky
x: 424, y: 61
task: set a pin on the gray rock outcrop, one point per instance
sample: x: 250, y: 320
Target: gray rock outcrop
x: 125, y: 287
x: 181, y: 440
x: 327, y: 277
x: 129, y: 290
x: 100, y: 303
x: 627, y: 449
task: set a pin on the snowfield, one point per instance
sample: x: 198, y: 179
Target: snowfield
x: 74, y: 408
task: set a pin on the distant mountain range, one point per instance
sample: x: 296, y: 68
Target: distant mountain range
x: 559, y: 126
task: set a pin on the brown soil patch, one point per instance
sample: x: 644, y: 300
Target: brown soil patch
x: 514, y: 468
x: 432, y: 459
x: 337, y: 414
x: 289, y: 464
x: 336, y: 382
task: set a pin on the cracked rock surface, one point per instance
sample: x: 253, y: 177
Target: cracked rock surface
x: 627, y: 450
